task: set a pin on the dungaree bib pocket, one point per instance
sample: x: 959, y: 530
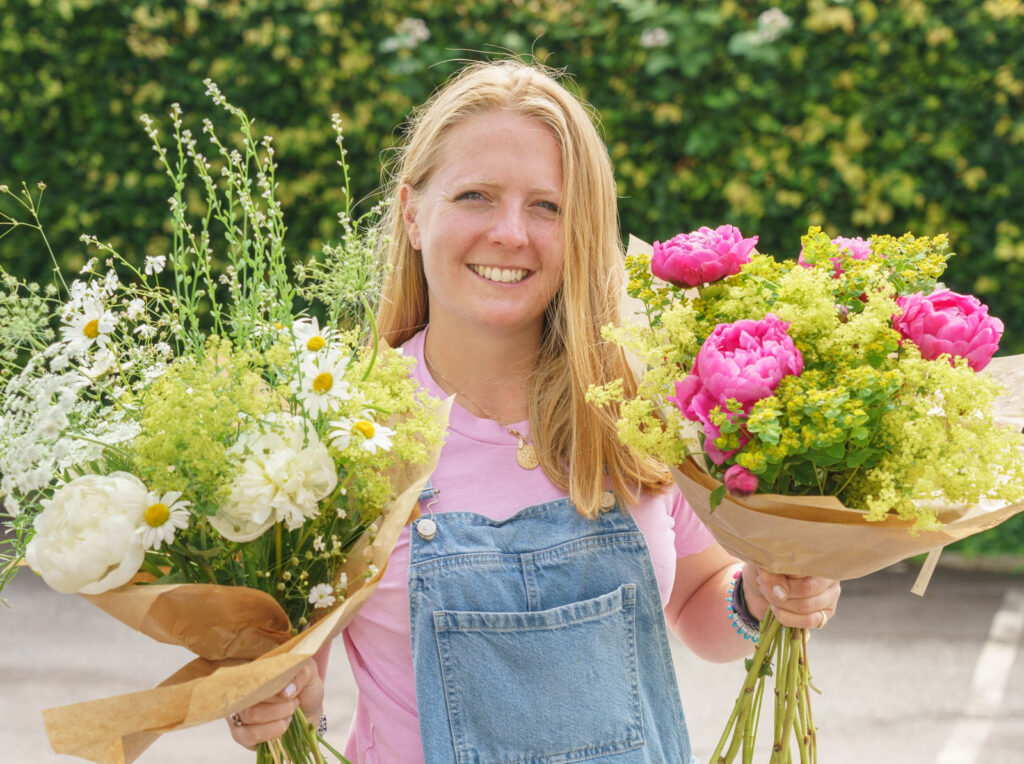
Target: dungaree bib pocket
x: 506, y: 674
x: 541, y: 640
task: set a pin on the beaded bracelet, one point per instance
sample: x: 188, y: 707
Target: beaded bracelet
x: 745, y: 624
x: 321, y: 726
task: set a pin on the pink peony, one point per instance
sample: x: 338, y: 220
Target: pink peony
x: 857, y: 248
x: 739, y: 481
x: 945, y: 322
x: 702, y: 256
x: 744, y: 360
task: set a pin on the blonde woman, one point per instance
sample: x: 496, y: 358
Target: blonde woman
x: 523, y: 618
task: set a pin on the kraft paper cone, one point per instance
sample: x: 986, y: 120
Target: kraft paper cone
x: 817, y: 535
x: 116, y: 730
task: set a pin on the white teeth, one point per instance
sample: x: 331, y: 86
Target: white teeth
x: 500, y: 275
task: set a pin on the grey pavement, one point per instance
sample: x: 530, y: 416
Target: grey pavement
x: 904, y: 679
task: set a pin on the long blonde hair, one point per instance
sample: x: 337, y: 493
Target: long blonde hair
x: 576, y: 442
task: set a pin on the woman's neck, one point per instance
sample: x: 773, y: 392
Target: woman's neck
x: 487, y: 371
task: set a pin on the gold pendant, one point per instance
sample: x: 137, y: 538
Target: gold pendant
x: 526, y: 455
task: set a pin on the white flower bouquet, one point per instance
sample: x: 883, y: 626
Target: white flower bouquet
x: 250, y: 463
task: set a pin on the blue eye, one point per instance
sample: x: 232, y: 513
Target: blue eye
x: 470, y: 195
x: 550, y: 206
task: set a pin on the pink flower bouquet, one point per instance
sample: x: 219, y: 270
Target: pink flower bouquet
x: 825, y: 416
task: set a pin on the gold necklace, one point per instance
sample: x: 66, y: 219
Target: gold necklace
x: 526, y: 454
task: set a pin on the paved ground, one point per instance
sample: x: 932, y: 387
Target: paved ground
x: 907, y: 680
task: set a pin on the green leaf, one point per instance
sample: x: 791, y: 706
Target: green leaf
x: 716, y: 496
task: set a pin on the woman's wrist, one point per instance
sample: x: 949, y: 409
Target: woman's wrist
x: 743, y: 621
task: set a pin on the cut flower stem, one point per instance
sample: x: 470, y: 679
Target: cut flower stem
x: 782, y: 652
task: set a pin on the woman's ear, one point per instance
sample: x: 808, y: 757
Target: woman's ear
x: 406, y: 198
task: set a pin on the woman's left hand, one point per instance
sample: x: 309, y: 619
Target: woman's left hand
x: 270, y: 718
x: 800, y: 602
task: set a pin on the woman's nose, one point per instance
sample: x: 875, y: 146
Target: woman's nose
x: 510, y: 226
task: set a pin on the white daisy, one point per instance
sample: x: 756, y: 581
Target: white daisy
x: 88, y: 326
x: 320, y: 386
x: 163, y: 515
x: 321, y: 596
x: 309, y: 337
x: 363, y: 432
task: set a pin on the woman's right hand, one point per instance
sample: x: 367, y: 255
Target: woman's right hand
x: 269, y: 719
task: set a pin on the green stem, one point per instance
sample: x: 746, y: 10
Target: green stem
x: 734, y: 728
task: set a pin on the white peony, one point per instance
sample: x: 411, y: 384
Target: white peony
x: 85, y: 538
x: 286, y: 474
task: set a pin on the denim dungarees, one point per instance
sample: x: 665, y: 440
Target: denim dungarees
x: 541, y: 640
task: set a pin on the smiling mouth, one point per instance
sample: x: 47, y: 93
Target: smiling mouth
x: 500, y: 275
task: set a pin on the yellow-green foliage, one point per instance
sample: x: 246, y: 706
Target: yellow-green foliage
x: 192, y: 415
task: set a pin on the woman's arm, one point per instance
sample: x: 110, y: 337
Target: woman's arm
x: 698, y: 612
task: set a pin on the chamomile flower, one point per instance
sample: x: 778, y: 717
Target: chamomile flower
x: 362, y: 432
x: 320, y: 386
x: 162, y: 517
x: 321, y: 596
x: 309, y: 337
x: 90, y: 325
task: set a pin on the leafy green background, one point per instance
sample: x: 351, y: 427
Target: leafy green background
x: 862, y: 117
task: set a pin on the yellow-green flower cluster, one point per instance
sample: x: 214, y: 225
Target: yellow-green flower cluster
x: 385, y: 394
x: 191, y: 415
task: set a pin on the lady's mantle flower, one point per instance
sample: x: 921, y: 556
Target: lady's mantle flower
x: 86, y: 538
x: 321, y: 596
x: 741, y: 362
x: 370, y: 437
x: 286, y: 474
x: 161, y: 518
x: 945, y: 322
x: 320, y: 386
x: 702, y: 256
x: 309, y: 337
x: 88, y: 326
x: 856, y: 247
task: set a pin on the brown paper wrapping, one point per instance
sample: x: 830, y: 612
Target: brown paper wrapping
x: 241, y: 635
x: 818, y: 536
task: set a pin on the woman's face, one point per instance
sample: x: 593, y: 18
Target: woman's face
x: 488, y: 226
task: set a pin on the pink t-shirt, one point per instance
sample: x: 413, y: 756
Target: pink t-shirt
x: 473, y: 475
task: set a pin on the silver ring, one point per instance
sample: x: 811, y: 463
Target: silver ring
x: 236, y: 720
x: 824, y: 619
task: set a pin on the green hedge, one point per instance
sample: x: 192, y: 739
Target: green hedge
x: 858, y: 116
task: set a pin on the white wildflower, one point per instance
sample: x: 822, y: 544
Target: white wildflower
x: 309, y: 337
x: 362, y: 432
x: 321, y: 596
x: 91, y: 325
x: 135, y: 310
x: 162, y: 517
x: 155, y: 264
x: 321, y: 386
